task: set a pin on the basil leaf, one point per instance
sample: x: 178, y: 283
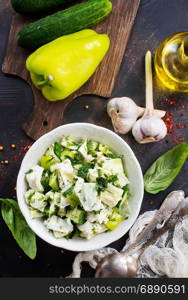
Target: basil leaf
x: 165, y: 169
x: 16, y: 223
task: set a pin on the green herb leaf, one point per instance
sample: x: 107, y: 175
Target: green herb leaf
x: 78, y: 159
x: 68, y: 192
x: 58, y: 149
x: 113, y: 155
x: 112, y: 178
x: 29, y: 171
x: 102, y: 182
x: 45, y: 180
x: 16, y: 223
x: 165, y: 169
x: 83, y: 171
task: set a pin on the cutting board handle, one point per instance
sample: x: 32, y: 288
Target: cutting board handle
x: 45, y: 116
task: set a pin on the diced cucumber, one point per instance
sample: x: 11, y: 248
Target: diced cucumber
x: 114, y: 220
x: 61, y: 212
x: 124, y: 209
x: 73, y: 200
x: 53, y: 182
x: 50, y: 152
x: 67, y: 153
x: 105, y: 149
x: 34, y: 213
x: 92, y: 147
x: 52, y: 209
x: 46, y: 161
x: 28, y: 196
x: 77, y: 215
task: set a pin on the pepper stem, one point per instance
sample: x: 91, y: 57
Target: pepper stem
x: 44, y: 81
x: 149, y: 83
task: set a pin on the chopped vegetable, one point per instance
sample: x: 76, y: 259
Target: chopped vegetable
x: 53, y: 182
x: 114, y: 220
x: 78, y: 216
x: 78, y: 190
x: 46, y: 161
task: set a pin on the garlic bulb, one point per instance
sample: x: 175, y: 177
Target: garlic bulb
x: 149, y: 128
x: 124, y: 112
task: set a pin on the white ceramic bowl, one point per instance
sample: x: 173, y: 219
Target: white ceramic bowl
x: 100, y: 134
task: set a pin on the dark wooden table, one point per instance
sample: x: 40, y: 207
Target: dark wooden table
x: 156, y: 20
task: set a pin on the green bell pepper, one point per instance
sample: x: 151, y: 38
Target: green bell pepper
x: 62, y: 66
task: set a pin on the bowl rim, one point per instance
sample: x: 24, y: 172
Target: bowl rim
x: 93, y: 246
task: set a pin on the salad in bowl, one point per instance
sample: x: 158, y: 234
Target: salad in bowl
x: 79, y: 188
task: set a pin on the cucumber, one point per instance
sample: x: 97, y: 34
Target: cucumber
x: 77, y: 215
x: 34, y: 6
x: 70, y: 20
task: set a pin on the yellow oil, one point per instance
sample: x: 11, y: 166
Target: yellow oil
x: 171, y: 62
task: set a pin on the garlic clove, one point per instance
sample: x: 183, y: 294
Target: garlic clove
x: 124, y: 106
x: 123, y: 112
x: 121, y: 125
x: 149, y: 130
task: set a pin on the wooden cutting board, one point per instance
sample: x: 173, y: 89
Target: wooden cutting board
x: 48, y: 115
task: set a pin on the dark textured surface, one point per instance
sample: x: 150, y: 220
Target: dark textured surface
x: 156, y: 20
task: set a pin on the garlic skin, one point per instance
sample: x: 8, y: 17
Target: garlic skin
x: 149, y: 129
x: 124, y: 113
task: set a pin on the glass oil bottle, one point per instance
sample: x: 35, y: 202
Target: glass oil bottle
x: 171, y: 62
